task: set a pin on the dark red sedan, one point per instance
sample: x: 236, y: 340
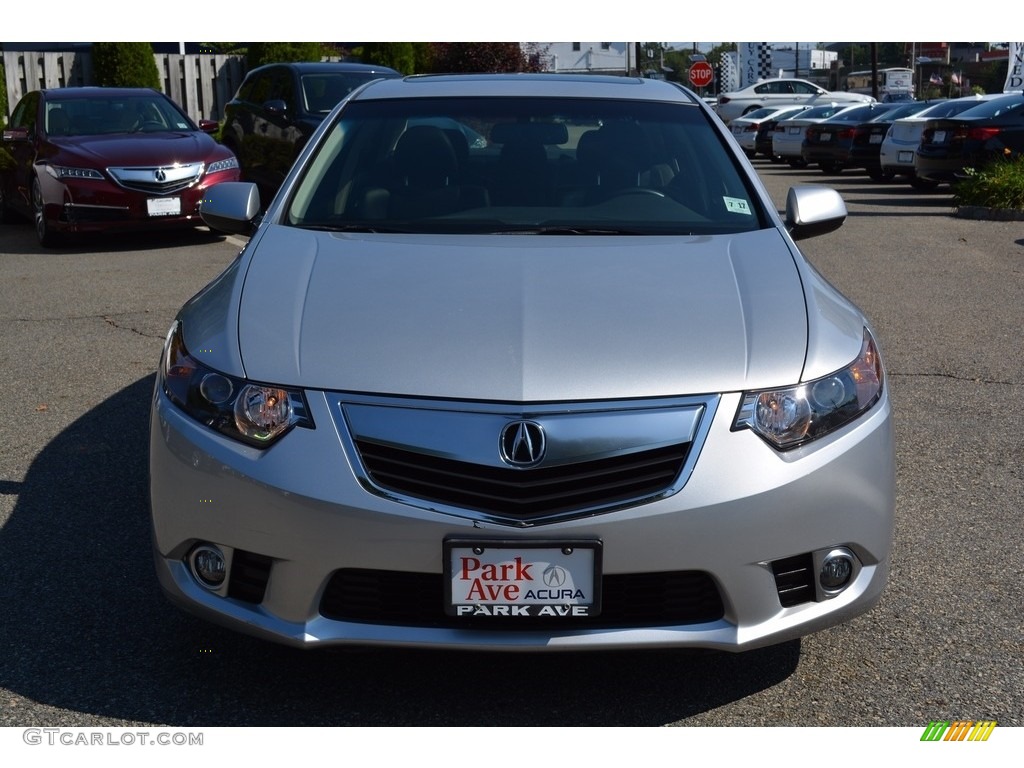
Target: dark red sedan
x: 104, y: 159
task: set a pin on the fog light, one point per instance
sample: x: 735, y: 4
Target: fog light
x: 208, y: 565
x: 836, y: 570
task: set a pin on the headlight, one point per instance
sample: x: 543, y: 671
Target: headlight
x: 255, y: 414
x: 65, y: 172
x: 222, y: 165
x: 796, y: 415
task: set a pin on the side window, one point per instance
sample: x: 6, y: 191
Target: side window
x: 259, y: 91
x: 805, y: 88
x: 281, y: 87
x: 765, y: 88
x: 25, y: 113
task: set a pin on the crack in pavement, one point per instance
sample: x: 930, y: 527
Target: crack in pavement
x: 954, y: 377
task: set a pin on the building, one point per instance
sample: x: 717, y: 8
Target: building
x: 590, y: 58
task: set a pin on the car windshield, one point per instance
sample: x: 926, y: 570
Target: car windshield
x: 996, y: 107
x: 322, y: 91
x: 524, y: 165
x: 819, y: 113
x: 113, y: 114
x: 905, y: 110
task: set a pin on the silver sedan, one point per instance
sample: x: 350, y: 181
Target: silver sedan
x: 569, y: 386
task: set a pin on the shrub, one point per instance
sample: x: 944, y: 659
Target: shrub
x: 999, y: 184
x: 125, y: 65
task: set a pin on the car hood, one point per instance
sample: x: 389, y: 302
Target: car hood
x: 522, y: 318
x: 125, y: 149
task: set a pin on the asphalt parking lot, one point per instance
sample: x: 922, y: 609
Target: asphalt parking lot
x: 86, y: 639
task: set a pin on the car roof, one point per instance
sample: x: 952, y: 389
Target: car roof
x: 527, y: 84
x: 320, y: 67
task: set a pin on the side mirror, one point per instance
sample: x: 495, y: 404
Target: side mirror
x: 209, y: 126
x: 276, y: 106
x: 16, y: 134
x: 231, y: 207
x: 812, y: 210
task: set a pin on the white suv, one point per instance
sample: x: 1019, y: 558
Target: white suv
x: 779, y: 90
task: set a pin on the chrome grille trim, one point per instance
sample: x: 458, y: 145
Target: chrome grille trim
x: 445, y: 456
x: 158, y: 180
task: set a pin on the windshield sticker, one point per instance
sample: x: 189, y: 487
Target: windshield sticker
x: 736, y: 205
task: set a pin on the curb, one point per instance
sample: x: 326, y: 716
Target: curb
x: 989, y: 214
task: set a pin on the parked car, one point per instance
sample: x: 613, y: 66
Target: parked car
x: 788, y: 138
x: 763, y: 143
x: 829, y: 142
x: 780, y: 90
x: 279, y: 106
x: 865, y: 152
x: 747, y: 128
x: 951, y: 146
x: 577, y: 388
x: 107, y: 159
x: 897, y: 155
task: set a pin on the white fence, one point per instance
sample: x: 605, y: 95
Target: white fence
x: 200, y: 83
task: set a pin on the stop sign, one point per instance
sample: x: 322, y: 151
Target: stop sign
x: 701, y: 74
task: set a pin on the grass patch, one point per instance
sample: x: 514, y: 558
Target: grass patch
x: 999, y: 184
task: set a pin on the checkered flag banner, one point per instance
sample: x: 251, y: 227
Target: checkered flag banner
x: 728, y: 73
x: 755, y: 62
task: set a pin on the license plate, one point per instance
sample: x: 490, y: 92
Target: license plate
x: 517, y: 578
x: 163, y: 206
x: 905, y: 157
x: 794, y: 131
x: 824, y: 137
x: 876, y: 139
x: 938, y: 137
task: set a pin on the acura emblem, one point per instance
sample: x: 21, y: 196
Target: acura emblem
x: 522, y: 443
x: 160, y: 175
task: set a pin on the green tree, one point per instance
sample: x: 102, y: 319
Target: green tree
x: 259, y: 54
x: 126, y: 65
x: 400, y: 56
x: 483, y: 57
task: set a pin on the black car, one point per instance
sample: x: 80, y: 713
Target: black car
x: 279, y: 106
x: 828, y: 143
x: 950, y: 146
x: 763, y: 140
x: 865, y: 152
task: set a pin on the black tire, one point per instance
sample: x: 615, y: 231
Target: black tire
x: 877, y: 174
x: 830, y: 166
x: 923, y: 185
x: 748, y: 110
x: 797, y: 162
x: 47, y: 237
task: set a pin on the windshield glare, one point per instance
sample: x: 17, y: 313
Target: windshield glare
x: 524, y: 165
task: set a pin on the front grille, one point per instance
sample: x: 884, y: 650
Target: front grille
x: 794, y: 579
x: 250, y: 573
x: 164, y: 180
x: 417, y: 599
x: 524, y: 493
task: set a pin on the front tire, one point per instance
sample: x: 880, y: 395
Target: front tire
x: 44, y: 232
x: 923, y: 185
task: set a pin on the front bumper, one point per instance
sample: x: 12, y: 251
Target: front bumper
x: 300, y: 510
x: 86, y: 205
